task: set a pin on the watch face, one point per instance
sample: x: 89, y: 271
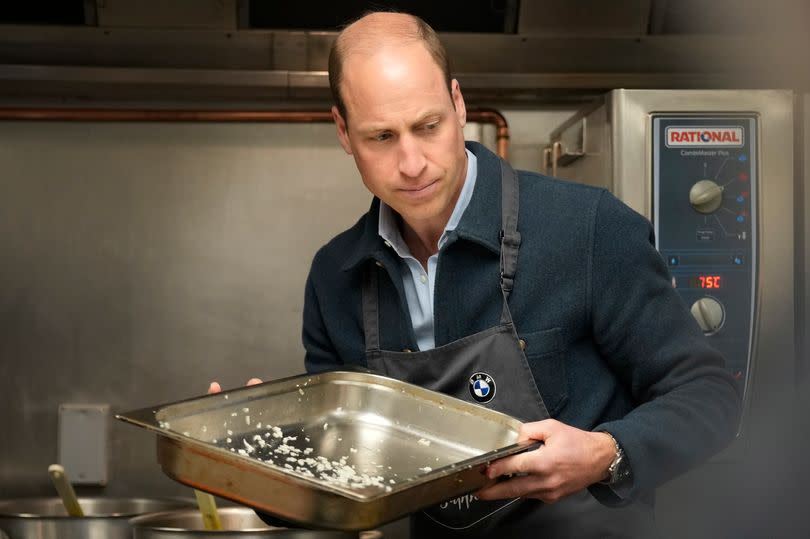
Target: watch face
x: 622, y: 471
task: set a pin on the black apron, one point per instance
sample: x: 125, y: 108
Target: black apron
x: 490, y: 369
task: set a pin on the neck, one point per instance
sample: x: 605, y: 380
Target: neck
x: 423, y: 239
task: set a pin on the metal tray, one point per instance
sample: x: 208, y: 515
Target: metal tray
x: 416, y: 447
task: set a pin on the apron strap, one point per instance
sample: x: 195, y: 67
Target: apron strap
x: 510, y: 237
x: 371, y: 307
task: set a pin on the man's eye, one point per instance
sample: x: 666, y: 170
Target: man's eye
x: 382, y: 137
x: 432, y: 126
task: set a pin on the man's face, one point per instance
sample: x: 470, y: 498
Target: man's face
x: 404, y: 132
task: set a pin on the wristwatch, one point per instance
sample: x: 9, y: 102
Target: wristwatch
x: 619, y: 469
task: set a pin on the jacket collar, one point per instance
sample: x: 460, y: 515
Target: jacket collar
x: 480, y: 223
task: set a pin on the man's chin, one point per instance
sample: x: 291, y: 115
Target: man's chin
x: 420, y: 218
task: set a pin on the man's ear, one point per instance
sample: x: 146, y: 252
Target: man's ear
x: 458, y: 102
x: 342, y: 132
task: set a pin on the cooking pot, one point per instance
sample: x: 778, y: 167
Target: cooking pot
x: 237, y: 523
x: 105, y: 518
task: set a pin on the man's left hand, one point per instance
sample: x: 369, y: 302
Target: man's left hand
x: 569, y: 460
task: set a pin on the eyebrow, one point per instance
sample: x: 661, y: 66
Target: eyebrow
x: 424, y: 118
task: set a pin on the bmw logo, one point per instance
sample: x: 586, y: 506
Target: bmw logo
x: 482, y: 387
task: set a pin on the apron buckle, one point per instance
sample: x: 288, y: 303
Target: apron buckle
x: 507, y: 283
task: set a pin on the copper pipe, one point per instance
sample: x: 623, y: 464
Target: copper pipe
x: 280, y: 116
x: 492, y: 116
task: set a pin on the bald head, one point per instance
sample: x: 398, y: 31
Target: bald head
x: 378, y: 30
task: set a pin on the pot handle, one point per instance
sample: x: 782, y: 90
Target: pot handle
x: 65, y: 490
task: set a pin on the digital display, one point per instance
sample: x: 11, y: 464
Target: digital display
x: 705, y: 281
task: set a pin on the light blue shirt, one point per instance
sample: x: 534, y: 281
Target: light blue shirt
x: 417, y: 282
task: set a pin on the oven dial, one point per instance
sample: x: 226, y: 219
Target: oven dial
x: 706, y: 196
x: 709, y: 314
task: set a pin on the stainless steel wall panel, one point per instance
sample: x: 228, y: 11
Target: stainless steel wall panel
x: 167, y: 13
x: 141, y: 261
x: 583, y: 17
x: 803, y: 251
x: 137, y: 47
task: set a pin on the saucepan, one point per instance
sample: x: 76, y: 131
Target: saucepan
x: 237, y: 523
x: 104, y: 518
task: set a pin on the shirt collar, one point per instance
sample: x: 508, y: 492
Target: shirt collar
x: 388, y: 228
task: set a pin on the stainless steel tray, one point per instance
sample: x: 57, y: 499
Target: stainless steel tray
x: 392, y: 448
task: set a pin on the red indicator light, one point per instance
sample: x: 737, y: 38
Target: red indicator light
x: 743, y: 176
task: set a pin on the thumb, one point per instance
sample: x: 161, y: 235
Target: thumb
x: 214, y: 388
x: 536, y: 430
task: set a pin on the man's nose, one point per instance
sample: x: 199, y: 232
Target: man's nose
x: 412, y: 159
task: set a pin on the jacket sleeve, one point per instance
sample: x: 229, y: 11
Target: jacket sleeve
x: 320, y: 352
x: 687, y: 405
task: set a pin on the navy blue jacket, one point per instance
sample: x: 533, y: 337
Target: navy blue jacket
x: 609, y: 341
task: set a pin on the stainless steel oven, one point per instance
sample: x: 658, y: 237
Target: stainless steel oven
x: 713, y: 170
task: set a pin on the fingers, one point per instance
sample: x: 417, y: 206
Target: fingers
x: 543, y: 489
x: 511, y: 488
x: 528, y: 462
x: 216, y: 388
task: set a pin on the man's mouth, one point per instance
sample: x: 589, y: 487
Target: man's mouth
x: 419, y: 189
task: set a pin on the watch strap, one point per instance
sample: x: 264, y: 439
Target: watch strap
x: 619, y: 468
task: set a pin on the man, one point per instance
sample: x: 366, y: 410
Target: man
x: 551, y: 293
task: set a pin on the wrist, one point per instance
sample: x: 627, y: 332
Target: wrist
x: 618, y: 471
x: 605, y: 455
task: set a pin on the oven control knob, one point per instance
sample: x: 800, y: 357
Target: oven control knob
x: 706, y: 196
x: 709, y: 314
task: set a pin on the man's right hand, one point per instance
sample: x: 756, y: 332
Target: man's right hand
x: 569, y: 460
x: 216, y: 388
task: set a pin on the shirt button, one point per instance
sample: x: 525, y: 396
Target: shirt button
x: 522, y: 344
x: 423, y: 278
